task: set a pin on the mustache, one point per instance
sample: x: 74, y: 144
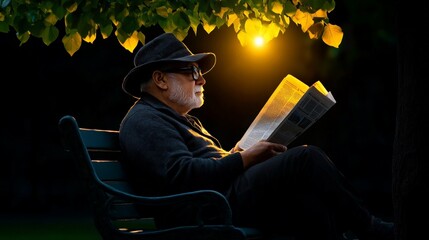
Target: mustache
x: 199, y: 88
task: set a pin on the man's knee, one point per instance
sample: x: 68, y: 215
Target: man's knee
x: 312, y: 154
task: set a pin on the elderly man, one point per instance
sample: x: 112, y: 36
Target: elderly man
x: 167, y: 150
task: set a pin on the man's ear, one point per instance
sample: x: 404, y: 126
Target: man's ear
x: 158, y: 78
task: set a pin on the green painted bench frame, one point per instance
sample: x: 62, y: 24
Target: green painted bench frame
x: 97, y: 155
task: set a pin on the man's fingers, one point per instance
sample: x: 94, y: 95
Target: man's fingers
x: 279, y: 147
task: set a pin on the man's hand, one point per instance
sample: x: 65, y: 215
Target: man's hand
x: 261, y: 151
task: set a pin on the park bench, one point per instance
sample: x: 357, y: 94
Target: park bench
x: 97, y: 156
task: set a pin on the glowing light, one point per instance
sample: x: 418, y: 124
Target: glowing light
x: 259, y: 41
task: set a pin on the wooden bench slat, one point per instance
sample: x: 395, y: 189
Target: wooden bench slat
x: 109, y: 170
x: 102, y: 139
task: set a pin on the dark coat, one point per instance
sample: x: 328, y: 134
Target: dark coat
x: 170, y: 153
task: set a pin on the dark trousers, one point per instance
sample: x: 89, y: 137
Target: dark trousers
x: 299, y: 192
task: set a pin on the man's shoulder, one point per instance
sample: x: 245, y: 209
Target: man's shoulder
x: 140, y: 112
x: 146, y: 114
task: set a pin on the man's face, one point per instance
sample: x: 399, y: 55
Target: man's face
x: 185, y: 91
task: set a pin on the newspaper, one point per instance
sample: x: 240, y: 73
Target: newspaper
x: 291, y: 109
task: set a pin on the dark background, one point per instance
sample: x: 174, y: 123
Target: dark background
x: 40, y: 84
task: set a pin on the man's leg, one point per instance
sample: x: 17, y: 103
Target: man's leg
x: 300, y: 187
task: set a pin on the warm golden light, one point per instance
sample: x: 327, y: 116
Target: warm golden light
x: 257, y: 33
x: 259, y: 41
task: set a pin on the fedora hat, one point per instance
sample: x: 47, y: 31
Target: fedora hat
x: 162, y: 51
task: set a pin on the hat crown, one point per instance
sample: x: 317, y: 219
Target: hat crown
x: 166, y: 46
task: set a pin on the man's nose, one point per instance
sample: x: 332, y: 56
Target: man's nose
x: 201, y: 80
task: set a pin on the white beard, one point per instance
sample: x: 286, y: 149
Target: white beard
x: 179, y: 96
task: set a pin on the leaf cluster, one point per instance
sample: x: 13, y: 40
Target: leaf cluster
x: 84, y: 20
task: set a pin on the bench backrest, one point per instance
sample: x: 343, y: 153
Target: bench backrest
x: 97, y: 155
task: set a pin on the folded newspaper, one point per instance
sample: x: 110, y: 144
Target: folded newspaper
x: 292, y: 108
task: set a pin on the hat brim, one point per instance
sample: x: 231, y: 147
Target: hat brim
x: 132, y: 81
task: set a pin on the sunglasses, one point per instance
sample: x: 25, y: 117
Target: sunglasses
x: 196, y: 71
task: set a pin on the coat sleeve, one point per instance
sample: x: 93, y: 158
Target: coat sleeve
x: 174, y: 156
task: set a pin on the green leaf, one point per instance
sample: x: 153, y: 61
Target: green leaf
x: 194, y: 22
x: 106, y: 30
x: 46, y: 5
x: 215, y: 5
x: 230, y: 3
x: 85, y: 25
x: 37, y: 29
x: 220, y: 22
x: 23, y: 38
x: 141, y: 37
x: 181, y: 33
x: 4, y: 27
x: 204, y: 7
x: 51, y: 19
x: 329, y: 6
x: 59, y: 11
x: 129, y: 25
x: 181, y: 20
x: 289, y: 9
x: 166, y: 25
x: 163, y: 11
x: 71, y: 21
x: 208, y: 22
x: 49, y: 35
x: 72, y: 42
x: 122, y: 37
